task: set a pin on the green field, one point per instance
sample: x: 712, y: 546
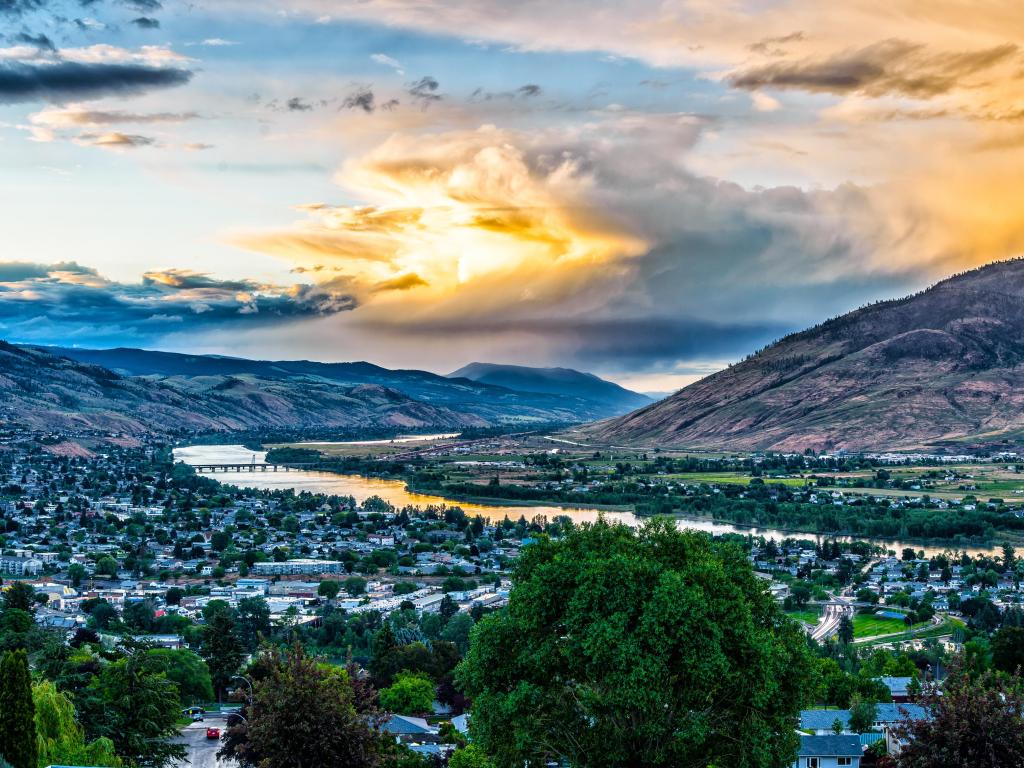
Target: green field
x: 869, y: 626
x: 809, y: 616
x: 733, y: 478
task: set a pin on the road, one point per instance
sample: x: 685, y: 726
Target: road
x: 202, y: 752
x: 828, y: 624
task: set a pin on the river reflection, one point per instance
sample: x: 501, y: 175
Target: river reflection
x: 395, y: 492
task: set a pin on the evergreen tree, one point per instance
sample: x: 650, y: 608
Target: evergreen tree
x: 18, y: 743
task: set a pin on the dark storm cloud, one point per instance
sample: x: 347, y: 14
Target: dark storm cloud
x: 67, y: 80
x: 888, y: 67
x: 146, y: 22
x: 48, y: 303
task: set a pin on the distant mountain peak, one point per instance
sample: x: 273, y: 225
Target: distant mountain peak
x: 553, y: 381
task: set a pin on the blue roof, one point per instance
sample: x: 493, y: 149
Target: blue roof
x: 822, y: 719
x: 897, y: 685
x: 891, y: 713
x: 830, y: 746
x: 404, y: 724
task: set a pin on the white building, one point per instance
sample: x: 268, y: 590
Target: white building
x: 20, y: 566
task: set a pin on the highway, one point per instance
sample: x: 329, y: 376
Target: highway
x: 831, y: 615
x: 202, y: 752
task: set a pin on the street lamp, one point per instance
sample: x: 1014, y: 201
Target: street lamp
x: 248, y: 682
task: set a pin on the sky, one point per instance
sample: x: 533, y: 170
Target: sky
x: 647, y: 190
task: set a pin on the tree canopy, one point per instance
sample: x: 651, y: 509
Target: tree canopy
x: 653, y: 647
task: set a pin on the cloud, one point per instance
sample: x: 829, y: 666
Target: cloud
x: 772, y: 46
x: 888, y: 67
x: 387, y: 61
x: 215, y: 42
x: 400, y: 283
x: 424, y: 90
x: 146, y: 22
x: 56, y: 303
x: 18, y: 7
x: 527, y: 91
x: 362, y: 98
x: 69, y: 80
x: 298, y: 104
x: 143, y: 6
x: 39, y: 41
x: 114, y: 140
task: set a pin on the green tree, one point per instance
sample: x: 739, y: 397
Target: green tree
x: 19, y: 596
x: 863, y: 713
x: 1008, y: 649
x: 77, y: 573
x: 328, y: 588
x: 187, y: 671
x: 221, y: 648
x: 174, y: 595
x: 18, y: 742
x: 457, y: 631
x: 469, y: 756
x: 412, y: 693
x: 845, y: 631
x: 106, y: 566
x: 654, y: 647
x: 253, y: 621
x: 132, y: 703
x: 61, y: 739
x: 355, y: 585
x: 385, y: 656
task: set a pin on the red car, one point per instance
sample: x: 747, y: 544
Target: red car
x: 213, y: 733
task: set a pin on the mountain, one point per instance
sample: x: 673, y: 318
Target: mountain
x: 554, y: 381
x: 941, y: 370
x: 292, y: 385
x: 42, y: 391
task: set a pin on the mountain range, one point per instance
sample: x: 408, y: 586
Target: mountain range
x: 942, y: 369
x: 137, y: 391
x: 561, y: 381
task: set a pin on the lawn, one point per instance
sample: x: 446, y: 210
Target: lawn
x: 869, y: 626
x: 809, y: 616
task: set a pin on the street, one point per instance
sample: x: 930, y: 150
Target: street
x: 202, y: 752
x: 830, y: 618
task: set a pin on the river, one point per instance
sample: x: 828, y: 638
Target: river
x: 395, y: 492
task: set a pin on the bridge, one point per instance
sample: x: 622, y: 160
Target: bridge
x: 251, y: 467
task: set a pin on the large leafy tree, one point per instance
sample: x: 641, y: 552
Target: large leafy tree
x: 17, y: 712
x: 132, y: 703
x: 302, y: 716
x: 412, y: 693
x: 976, y: 721
x: 187, y: 671
x: 652, y: 647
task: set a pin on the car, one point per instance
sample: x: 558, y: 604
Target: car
x: 197, y: 717
x: 213, y: 733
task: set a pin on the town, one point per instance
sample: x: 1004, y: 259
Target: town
x: 125, y: 549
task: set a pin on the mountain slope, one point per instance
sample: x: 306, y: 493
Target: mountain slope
x: 47, y: 392
x: 940, y: 369
x: 486, y: 402
x: 554, y: 381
